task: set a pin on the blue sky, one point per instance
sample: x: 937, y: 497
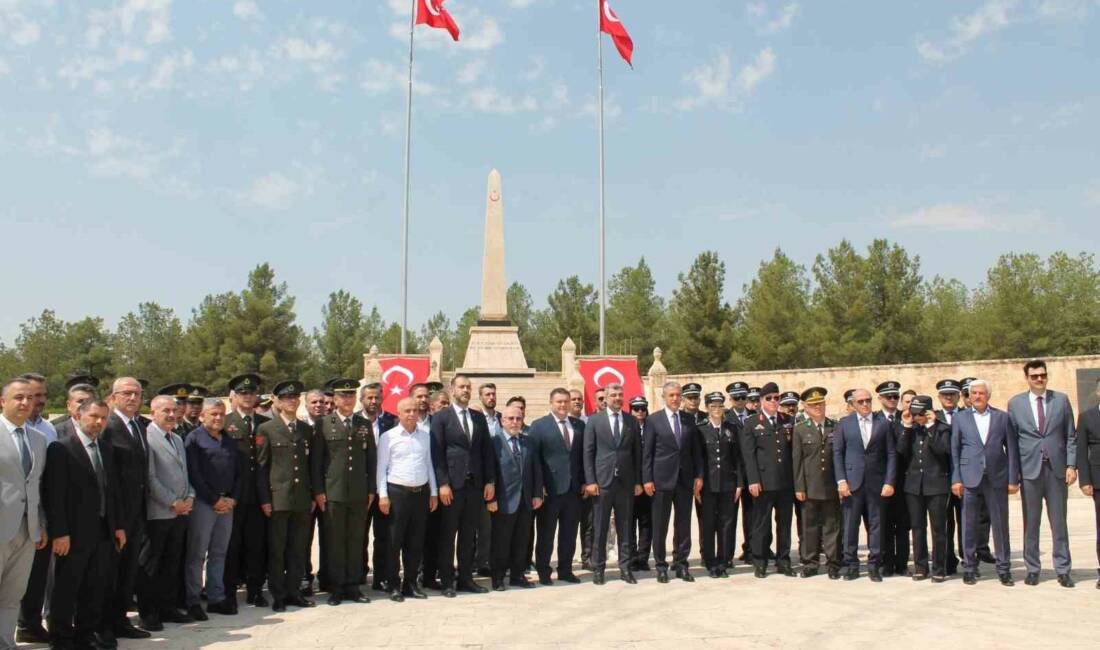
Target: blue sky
x: 160, y: 149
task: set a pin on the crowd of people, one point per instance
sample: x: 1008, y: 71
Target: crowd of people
x: 108, y: 509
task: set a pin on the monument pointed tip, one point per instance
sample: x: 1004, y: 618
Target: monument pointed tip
x: 493, y: 173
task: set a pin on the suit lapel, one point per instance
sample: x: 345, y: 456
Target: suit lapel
x: 76, y: 447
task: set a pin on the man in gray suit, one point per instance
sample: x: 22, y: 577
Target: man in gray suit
x: 519, y: 493
x: 22, y: 520
x: 985, y: 460
x: 1048, y: 459
x: 170, y: 500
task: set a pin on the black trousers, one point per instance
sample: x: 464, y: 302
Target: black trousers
x: 344, y: 528
x: 587, y: 527
x: 1096, y: 508
x: 76, y: 603
x: 560, y: 514
x: 895, y: 534
x: 643, y: 527
x: 509, y: 536
x: 287, y: 550
x: 317, y: 526
x: 159, y: 560
x: 821, y: 533
x: 380, y: 551
x: 618, y: 498
x: 923, y: 508
x: 780, y: 502
x: 246, y: 557
x: 746, y: 525
x: 406, y: 522
x: 122, y: 577
x: 459, y: 520
x: 664, y: 502
x: 34, y: 599
x: 717, y: 513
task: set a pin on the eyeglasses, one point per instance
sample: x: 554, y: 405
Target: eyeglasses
x: 771, y: 398
x: 512, y: 418
x: 862, y: 401
x: 1039, y: 375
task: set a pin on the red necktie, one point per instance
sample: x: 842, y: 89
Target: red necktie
x: 1042, y: 415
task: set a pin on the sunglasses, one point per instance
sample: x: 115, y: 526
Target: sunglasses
x: 862, y: 401
x: 1041, y: 375
x: 893, y: 397
x: 771, y: 398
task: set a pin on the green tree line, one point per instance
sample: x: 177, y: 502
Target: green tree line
x: 851, y: 307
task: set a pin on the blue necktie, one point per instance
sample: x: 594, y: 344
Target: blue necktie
x: 676, y: 426
x: 24, y: 451
x: 615, y: 432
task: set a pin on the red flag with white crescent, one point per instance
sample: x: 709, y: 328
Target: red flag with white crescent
x: 398, y: 376
x: 598, y: 373
x: 610, y: 24
x: 432, y: 14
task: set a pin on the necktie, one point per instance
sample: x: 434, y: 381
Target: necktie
x: 616, y: 433
x: 136, y: 433
x: 466, y: 425
x: 864, y: 431
x: 97, y: 465
x: 515, y: 446
x: 347, y: 423
x: 676, y: 426
x: 248, y: 424
x: 821, y: 430
x: 24, y: 451
x: 1042, y: 415
x: 565, y: 434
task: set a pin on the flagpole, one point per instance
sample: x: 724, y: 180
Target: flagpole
x: 603, y: 275
x: 405, y: 218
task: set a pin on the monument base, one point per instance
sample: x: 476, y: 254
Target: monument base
x: 494, y: 350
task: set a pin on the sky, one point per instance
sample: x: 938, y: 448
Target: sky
x: 157, y: 150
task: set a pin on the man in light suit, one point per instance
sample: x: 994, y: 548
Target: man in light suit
x: 170, y: 500
x: 22, y: 519
x: 985, y: 461
x: 613, y: 477
x: 865, y: 463
x: 558, y: 440
x: 518, y: 494
x: 1048, y: 463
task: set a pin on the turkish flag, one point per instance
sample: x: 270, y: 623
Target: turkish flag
x: 398, y: 375
x: 598, y: 373
x: 432, y: 14
x: 610, y: 24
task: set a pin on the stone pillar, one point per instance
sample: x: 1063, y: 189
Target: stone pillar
x: 657, y: 375
x: 568, y: 357
x: 435, y: 351
x: 372, y: 370
x: 494, y: 303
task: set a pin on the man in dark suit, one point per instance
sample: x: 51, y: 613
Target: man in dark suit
x: 766, y: 451
x: 895, y: 516
x: 643, y: 503
x: 672, y: 474
x: 558, y: 442
x: 370, y: 396
x: 125, y: 435
x: 518, y: 494
x: 1048, y: 462
x: 85, y: 524
x: 986, y: 459
x: 1088, y: 462
x: 465, y: 474
x: 865, y: 463
x: 613, y: 477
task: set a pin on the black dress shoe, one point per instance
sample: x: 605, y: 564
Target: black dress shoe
x: 306, y: 590
x: 226, y: 607
x: 1065, y: 580
x: 761, y: 571
x: 642, y: 566
x: 787, y: 571
x: 939, y: 578
x: 875, y: 574
x: 985, y: 556
x: 449, y: 592
x: 969, y: 579
x: 685, y: 575
x: 498, y: 585
x: 432, y: 583
x: 569, y: 577
x: 713, y: 572
x: 396, y: 596
x: 103, y: 641
x: 834, y: 573
x: 128, y: 631
x: 485, y: 572
x: 597, y: 577
x: 300, y: 601
x: 176, y: 616
x: 149, y: 623
x: 545, y: 580
x: 521, y: 582
x: 662, y: 576
x: 627, y: 576
x: 808, y: 572
x: 381, y: 585
x: 195, y: 612
x: 1006, y: 579
x: 333, y: 599
x: 472, y: 587
x: 32, y: 634
x: 919, y: 575
x: 278, y: 605
x: 410, y: 591
x: 1032, y: 579
x: 852, y: 574
x: 887, y: 572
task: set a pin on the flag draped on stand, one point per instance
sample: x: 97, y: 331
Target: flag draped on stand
x: 432, y: 14
x: 610, y: 24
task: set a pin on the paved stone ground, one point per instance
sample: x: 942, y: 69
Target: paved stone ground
x: 738, y: 612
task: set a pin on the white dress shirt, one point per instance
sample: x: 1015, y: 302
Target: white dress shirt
x: 405, y: 459
x: 865, y: 429
x: 671, y: 416
x: 982, y: 420
x: 45, y: 427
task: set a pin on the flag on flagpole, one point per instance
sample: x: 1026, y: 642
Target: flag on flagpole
x: 432, y: 14
x: 610, y: 24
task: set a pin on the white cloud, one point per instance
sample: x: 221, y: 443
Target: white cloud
x: 127, y: 19
x: 933, y: 151
x: 490, y: 100
x: 23, y: 32
x: 273, y: 191
x: 164, y: 74
x: 760, y: 69
x: 962, y: 217
x: 247, y: 10
x: 382, y: 76
x: 1063, y: 116
x: 471, y: 72
x: 297, y: 49
x: 991, y: 17
x: 520, y: 4
x: 480, y: 33
x: 4, y: 68
x: 1065, y: 9
x: 773, y: 24
x: 714, y: 82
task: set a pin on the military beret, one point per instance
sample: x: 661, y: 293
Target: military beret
x: 769, y: 388
x: 81, y: 378
x: 198, y: 393
x: 692, y: 390
x: 639, y: 403
x: 788, y: 397
x: 246, y: 383
x: 814, y: 395
x: 848, y: 394
x: 716, y: 397
x: 343, y: 385
x: 288, y: 388
x: 888, y: 388
x: 738, y: 390
x: 181, y: 391
x: 920, y: 404
x: 753, y: 394
x: 948, y: 386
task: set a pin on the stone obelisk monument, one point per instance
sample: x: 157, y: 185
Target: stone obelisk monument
x: 494, y: 348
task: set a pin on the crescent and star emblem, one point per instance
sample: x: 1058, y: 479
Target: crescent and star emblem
x: 494, y: 196
x: 610, y: 15
x: 432, y: 9
x: 397, y: 390
x: 607, y: 370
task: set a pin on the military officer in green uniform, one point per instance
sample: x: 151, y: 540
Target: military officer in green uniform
x: 246, y: 557
x: 283, y: 490
x: 343, y: 464
x: 193, y: 408
x: 815, y: 486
